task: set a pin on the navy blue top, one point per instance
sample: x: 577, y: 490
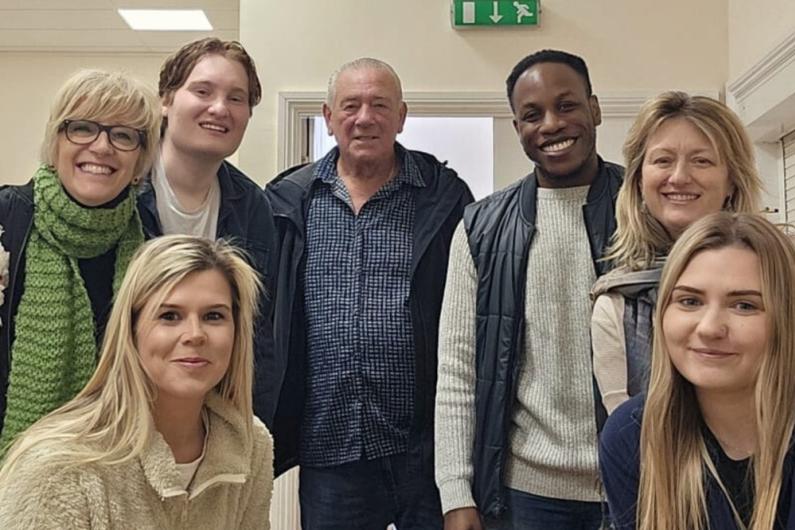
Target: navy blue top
x: 360, y: 347
x: 619, y: 459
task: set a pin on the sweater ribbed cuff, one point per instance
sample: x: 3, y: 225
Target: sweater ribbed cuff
x: 455, y: 494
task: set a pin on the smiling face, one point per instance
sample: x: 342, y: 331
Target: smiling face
x: 715, y: 327
x: 208, y: 114
x: 682, y: 177
x: 556, y: 122
x: 186, y: 343
x: 96, y: 173
x: 366, y: 115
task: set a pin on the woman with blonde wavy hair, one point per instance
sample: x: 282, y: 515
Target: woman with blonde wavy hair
x: 163, y: 435
x: 711, y: 444
x: 686, y: 156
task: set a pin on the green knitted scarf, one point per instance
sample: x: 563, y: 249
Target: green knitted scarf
x: 54, y: 351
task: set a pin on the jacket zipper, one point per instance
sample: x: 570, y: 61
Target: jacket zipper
x: 511, y: 387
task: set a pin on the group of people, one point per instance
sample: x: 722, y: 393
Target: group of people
x: 428, y: 361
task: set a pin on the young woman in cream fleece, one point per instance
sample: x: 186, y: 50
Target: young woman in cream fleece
x: 163, y: 435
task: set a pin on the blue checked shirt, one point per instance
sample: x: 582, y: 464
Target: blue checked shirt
x: 360, y: 342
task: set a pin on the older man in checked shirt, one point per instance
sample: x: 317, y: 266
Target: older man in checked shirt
x: 365, y: 235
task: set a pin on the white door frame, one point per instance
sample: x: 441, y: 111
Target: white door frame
x: 295, y: 107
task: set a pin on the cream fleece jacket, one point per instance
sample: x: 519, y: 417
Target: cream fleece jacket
x: 231, y: 489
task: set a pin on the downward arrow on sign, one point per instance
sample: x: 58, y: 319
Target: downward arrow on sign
x: 496, y: 17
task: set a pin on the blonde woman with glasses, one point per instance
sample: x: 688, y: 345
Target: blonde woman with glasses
x: 711, y: 444
x: 686, y: 157
x: 70, y: 232
x: 163, y: 435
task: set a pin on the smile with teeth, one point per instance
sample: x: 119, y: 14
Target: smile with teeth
x: 680, y: 196
x: 558, y: 146
x: 213, y: 127
x: 97, y: 169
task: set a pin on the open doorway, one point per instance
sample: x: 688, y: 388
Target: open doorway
x: 465, y: 143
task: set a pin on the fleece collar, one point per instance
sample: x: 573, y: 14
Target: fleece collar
x: 226, y: 460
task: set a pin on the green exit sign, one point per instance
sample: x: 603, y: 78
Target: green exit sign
x: 469, y: 13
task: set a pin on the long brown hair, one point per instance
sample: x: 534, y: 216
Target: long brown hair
x: 674, y: 459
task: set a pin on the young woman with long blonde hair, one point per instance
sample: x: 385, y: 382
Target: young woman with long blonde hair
x: 163, y: 435
x: 710, y: 446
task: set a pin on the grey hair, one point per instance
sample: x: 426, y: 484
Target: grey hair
x: 362, y: 63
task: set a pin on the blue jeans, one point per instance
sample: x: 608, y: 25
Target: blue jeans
x: 369, y: 495
x: 533, y: 512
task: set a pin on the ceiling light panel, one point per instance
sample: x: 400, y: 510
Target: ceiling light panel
x: 166, y: 19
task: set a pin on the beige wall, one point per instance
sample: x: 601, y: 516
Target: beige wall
x: 761, y: 84
x: 29, y: 83
x: 629, y: 45
x: 755, y: 28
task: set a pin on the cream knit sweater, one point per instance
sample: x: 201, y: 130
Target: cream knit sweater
x: 553, y: 443
x: 231, y: 489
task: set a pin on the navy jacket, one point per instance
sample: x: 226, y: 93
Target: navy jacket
x: 500, y: 232
x: 439, y: 207
x: 246, y: 220
x: 16, y: 218
x: 619, y: 459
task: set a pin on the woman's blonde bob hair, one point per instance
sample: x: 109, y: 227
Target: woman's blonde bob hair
x: 110, y: 420
x: 673, y: 454
x: 639, y: 237
x: 112, y: 98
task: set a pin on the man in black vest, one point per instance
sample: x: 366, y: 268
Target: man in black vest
x: 516, y: 443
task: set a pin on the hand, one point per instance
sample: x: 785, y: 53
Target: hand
x: 463, y: 519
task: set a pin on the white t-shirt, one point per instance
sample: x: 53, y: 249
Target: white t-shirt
x: 175, y: 219
x: 188, y: 470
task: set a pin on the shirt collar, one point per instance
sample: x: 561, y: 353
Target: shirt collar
x: 409, y: 172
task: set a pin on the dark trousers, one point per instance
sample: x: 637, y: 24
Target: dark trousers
x: 369, y: 495
x: 533, y: 512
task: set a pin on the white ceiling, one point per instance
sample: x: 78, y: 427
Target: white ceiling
x: 95, y: 26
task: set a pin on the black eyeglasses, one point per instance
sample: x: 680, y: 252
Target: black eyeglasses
x: 84, y: 132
